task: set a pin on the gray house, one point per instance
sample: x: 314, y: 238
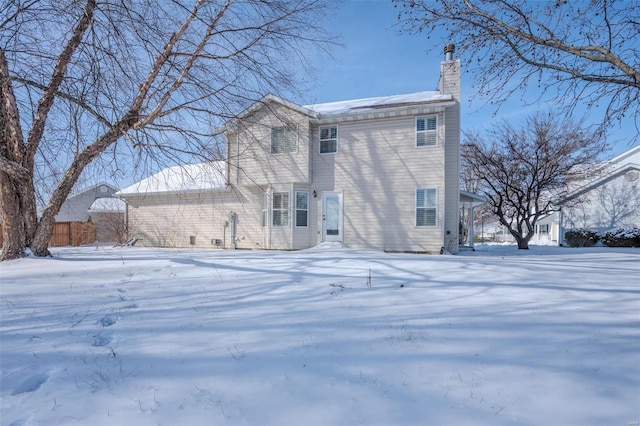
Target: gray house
x: 76, y: 207
x: 378, y: 173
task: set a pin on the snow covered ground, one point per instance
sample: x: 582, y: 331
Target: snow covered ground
x: 134, y: 336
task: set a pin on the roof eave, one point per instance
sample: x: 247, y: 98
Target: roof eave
x: 384, y: 112
x: 600, y: 181
x: 125, y: 195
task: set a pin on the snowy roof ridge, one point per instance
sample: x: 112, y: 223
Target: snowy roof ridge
x: 107, y: 205
x: 378, y: 102
x: 189, y: 177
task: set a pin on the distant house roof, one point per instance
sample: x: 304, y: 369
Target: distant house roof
x: 76, y: 206
x: 627, y: 162
x: 103, y: 189
x: 107, y: 205
x: 187, y: 178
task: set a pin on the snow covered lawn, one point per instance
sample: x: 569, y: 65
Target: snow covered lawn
x: 134, y: 336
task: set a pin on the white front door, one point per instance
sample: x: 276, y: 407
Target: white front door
x: 332, y: 216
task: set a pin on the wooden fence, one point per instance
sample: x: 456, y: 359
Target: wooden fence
x: 70, y: 233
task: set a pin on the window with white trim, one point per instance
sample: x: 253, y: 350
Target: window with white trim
x: 328, y: 140
x: 280, y: 209
x: 283, y: 140
x: 302, y: 208
x: 426, y: 130
x: 426, y: 206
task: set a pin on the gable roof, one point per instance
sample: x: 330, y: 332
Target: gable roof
x: 93, y: 188
x: 358, y: 109
x: 601, y: 180
x: 187, y: 178
x: 612, y: 169
x: 626, y: 156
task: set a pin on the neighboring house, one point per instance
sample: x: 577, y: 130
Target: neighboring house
x: 379, y: 173
x: 609, y: 200
x: 76, y: 207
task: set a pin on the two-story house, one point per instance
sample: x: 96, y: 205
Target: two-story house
x: 379, y: 173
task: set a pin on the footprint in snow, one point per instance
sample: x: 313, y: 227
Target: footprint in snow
x: 31, y: 384
x: 102, y: 339
x: 108, y: 320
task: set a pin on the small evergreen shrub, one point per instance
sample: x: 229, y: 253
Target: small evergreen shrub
x: 621, y: 237
x: 580, y: 237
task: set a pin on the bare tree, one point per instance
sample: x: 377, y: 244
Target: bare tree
x: 525, y: 170
x: 129, y: 81
x: 576, y: 52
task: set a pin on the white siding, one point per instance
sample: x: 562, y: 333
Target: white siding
x: 169, y: 220
x: 249, y: 150
x: 612, y: 205
x: 378, y: 169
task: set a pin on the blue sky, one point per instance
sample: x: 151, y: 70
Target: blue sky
x: 375, y: 60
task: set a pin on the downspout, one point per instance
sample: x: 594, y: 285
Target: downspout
x: 232, y: 224
x: 560, y: 227
x: 269, y: 213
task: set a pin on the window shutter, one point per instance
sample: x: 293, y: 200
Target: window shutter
x: 426, y: 131
x: 283, y: 140
x: 426, y: 206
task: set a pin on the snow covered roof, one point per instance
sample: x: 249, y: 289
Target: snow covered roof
x: 371, y: 104
x: 354, y: 109
x: 191, y: 177
x: 107, y: 205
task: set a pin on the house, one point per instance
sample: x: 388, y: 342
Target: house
x: 76, y: 206
x: 377, y: 173
x: 609, y: 200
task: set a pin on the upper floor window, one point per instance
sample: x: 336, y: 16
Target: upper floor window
x: 281, y: 209
x: 426, y: 130
x: 426, y: 206
x: 328, y: 140
x: 283, y: 140
x: 302, y: 208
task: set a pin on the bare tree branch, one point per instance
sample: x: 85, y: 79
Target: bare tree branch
x: 575, y: 52
x: 159, y: 76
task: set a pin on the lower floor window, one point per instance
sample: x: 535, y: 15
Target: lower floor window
x: 280, y: 209
x: 426, y: 206
x: 302, y: 208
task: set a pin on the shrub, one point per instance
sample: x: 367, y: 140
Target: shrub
x: 621, y: 237
x: 580, y: 237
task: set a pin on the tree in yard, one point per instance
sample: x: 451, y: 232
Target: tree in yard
x: 576, y: 52
x: 523, y: 171
x: 124, y: 81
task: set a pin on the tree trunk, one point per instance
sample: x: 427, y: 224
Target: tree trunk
x: 13, y: 246
x: 40, y: 243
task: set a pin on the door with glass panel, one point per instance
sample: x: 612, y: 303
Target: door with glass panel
x: 332, y: 216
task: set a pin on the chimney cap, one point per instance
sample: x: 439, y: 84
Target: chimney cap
x: 450, y: 48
